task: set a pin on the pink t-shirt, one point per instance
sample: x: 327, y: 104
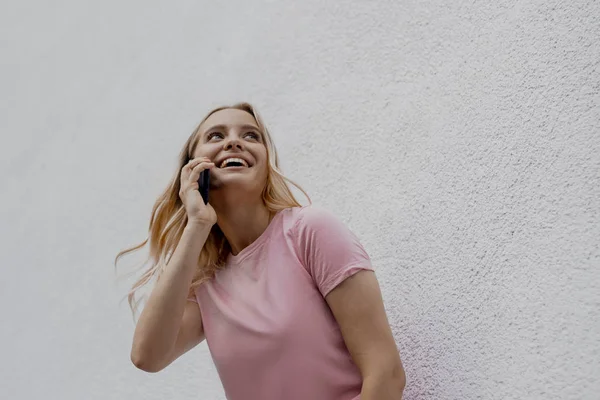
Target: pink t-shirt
x: 269, y: 329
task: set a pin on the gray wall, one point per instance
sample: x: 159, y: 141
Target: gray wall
x: 459, y: 140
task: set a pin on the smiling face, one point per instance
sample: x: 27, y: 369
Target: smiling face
x: 232, y: 140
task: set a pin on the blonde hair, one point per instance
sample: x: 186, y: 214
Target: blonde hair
x: 168, y: 218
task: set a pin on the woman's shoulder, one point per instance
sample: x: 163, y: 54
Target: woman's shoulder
x: 309, y: 217
x: 309, y: 211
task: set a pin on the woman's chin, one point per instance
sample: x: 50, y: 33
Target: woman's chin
x: 234, y: 183
x: 238, y: 180
x: 231, y: 178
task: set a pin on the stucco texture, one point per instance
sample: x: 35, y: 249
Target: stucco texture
x: 459, y: 140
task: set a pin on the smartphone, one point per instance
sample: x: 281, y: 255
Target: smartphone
x: 203, y: 183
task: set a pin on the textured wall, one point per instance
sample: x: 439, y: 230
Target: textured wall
x: 459, y: 140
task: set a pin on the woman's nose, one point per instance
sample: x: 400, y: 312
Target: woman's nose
x: 233, y: 141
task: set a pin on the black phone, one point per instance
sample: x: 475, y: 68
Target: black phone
x: 203, y: 183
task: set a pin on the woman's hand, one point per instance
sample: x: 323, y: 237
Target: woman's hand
x: 197, y: 211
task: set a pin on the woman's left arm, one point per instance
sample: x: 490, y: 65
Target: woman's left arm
x: 358, y: 307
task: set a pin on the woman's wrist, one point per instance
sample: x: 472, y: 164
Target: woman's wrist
x: 197, y: 227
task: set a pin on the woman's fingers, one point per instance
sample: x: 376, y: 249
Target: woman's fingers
x: 187, y: 168
x: 195, y: 174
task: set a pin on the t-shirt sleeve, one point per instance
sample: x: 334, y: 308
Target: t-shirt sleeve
x: 327, y: 248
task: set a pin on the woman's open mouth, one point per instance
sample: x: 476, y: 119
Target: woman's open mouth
x: 233, y: 163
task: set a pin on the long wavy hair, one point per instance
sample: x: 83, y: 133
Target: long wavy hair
x: 169, y: 218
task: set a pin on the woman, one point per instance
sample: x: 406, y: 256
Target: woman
x: 284, y: 294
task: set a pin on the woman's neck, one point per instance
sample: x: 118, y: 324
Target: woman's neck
x: 243, y: 224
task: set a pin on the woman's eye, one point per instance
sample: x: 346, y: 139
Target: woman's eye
x: 255, y: 135
x: 213, y: 134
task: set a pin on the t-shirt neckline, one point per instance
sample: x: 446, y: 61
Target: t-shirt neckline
x: 247, y: 251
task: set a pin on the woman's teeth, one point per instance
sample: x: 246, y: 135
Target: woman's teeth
x: 233, y: 160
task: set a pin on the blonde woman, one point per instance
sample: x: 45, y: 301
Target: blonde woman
x: 284, y: 294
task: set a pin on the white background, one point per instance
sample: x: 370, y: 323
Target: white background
x: 459, y: 140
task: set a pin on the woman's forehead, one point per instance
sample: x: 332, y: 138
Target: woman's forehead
x: 228, y: 117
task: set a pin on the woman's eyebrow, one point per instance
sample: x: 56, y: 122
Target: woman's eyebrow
x: 215, y: 128
x: 251, y: 127
x: 224, y: 127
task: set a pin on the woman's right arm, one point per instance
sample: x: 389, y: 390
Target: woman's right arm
x: 169, y: 324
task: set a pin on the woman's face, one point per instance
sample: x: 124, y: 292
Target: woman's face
x: 233, y: 133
